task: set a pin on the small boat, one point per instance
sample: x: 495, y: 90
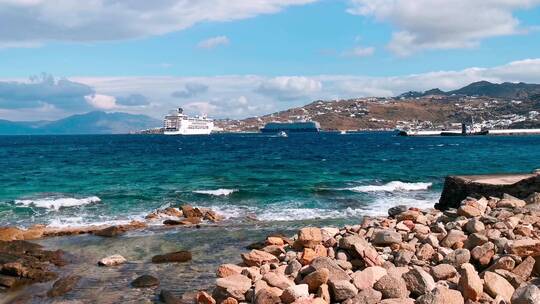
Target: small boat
x: 343, y: 132
x: 283, y: 134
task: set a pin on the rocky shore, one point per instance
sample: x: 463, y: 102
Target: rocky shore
x: 485, y: 251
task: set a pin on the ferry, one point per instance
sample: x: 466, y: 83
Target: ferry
x: 177, y: 123
x: 288, y: 127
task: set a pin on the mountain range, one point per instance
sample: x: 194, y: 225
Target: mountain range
x: 507, y: 90
x: 96, y: 122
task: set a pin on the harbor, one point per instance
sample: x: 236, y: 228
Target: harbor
x: 501, y: 132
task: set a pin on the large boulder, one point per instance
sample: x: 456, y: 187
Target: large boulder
x: 495, y: 285
x: 258, y: 258
x: 173, y: 257
x: 234, y: 286
x: 470, y: 284
x: 309, y: 237
x: 392, y: 287
x: 527, y: 294
x: 457, y: 188
x: 418, y: 281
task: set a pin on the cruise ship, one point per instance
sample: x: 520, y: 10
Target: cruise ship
x: 177, y: 123
x: 298, y: 126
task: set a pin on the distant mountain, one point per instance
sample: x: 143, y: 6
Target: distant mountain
x: 90, y: 123
x: 507, y: 90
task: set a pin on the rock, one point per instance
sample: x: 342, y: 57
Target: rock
x: 475, y: 225
x: 534, y: 198
x: 277, y: 280
x: 457, y: 257
x: 168, y: 297
x: 342, y: 290
x: 403, y: 257
x: 293, y: 267
x: 112, y: 260
x: 293, y: 293
x: 323, y: 292
x: 212, y: 216
x: 11, y: 234
x: 63, y: 286
x: 454, y: 236
x: 145, y: 281
x: 483, y: 253
x: 188, y: 211
x: 418, y: 281
x: 34, y: 233
x: 367, y: 296
x: 425, y: 252
x: 441, y: 295
x: 386, y: 238
x: 234, y: 286
x: 226, y: 270
x: 393, y: 211
x: 307, y: 256
x: 229, y: 300
x: 203, y: 297
x: 272, y: 240
x: 369, y: 254
x: 470, y: 284
x: 391, y: 287
x: 527, y: 294
x: 457, y: 188
x: 509, y: 201
x: 397, y: 301
x: 410, y: 215
x: 266, y: 296
x: 316, y: 279
x: 173, y: 257
x: 368, y: 277
x: 443, y: 272
x: 495, y: 285
x: 348, y: 242
x: 111, y: 231
x: 335, y: 272
x: 525, y: 247
x: 309, y: 237
x: 525, y: 268
x: 258, y: 258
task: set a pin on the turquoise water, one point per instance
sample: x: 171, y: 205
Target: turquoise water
x: 75, y: 180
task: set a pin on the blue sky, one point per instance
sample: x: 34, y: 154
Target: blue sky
x: 248, y: 58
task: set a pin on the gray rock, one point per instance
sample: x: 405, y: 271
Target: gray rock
x: 342, y: 290
x: 386, y: 238
x: 391, y: 287
x: 397, y: 210
x: 528, y: 294
x: 418, y: 281
x: 457, y: 257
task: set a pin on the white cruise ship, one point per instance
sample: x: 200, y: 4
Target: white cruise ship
x: 177, y: 123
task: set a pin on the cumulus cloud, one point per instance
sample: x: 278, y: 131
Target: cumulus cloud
x: 44, y: 90
x: 441, y: 24
x: 239, y: 96
x: 213, y: 42
x: 100, y: 101
x: 133, y: 100
x: 289, y: 87
x: 190, y: 90
x: 24, y: 23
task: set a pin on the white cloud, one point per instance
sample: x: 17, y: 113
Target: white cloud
x: 213, y: 42
x: 289, y: 87
x: 442, y: 24
x: 31, y: 22
x: 360, y: 52
x: 100, y: 101
x: 239, y: 96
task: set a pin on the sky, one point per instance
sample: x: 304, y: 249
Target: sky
x: 236, y: 58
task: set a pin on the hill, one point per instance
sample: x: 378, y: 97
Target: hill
x: 496, y: 105
x: 507, y: 90
x: 96, y: 122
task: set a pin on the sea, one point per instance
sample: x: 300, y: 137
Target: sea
x: 284, y: 182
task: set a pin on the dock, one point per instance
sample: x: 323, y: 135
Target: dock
x: 501, y: 132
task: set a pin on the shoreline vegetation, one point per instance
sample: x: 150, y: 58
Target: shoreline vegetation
x: 482, y: 246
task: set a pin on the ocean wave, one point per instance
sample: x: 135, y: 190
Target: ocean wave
x: 217, y: 192
x: 378, y: 207
x: 392, y: 186
x: 56, y: 203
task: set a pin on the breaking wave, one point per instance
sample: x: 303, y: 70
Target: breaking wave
x: 217, y: 192
x: 392, y: 187
x: 56, y: 203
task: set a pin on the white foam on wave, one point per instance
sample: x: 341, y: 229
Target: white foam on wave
x: 378, y: 207
x: 392, y: 186
x: 217, y: 192
x: 58, y: 202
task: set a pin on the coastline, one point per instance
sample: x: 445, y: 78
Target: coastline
x: 408, y: 248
